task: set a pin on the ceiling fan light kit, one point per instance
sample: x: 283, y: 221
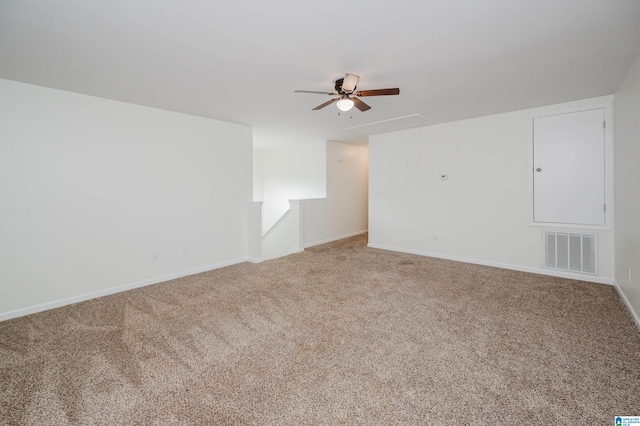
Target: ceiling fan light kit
x: 348, y: 97
x: 345, y: 104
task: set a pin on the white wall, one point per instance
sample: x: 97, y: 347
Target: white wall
x: 287, y: 236
x: 258, y: 188
x: 344, y: 212
x: 481, y: 213
x: 91, y: 188
x: 291, y: 172
x: 627, y: 194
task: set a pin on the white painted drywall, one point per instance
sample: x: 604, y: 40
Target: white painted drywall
x: 293, y: 172
x: 627, y: 194
x: 286, y: 237
x: 258, y: 190
x: 91, y: 188
x: 344, y: 212
x: 481, y: 212
x: 254, y: 231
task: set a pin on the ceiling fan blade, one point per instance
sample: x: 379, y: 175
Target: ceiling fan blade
x: 325, y: 104
x: 360, y: 105
x: 313, y: 91
x: 350, y: 82
x: 378, y: 92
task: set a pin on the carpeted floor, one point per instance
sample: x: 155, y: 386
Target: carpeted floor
x: 338, y: 334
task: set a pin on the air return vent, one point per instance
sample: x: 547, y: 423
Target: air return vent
x: 569, y: 251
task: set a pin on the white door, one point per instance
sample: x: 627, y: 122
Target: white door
x: 569, y: 168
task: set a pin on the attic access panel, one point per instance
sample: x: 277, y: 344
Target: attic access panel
x: 569, y: 168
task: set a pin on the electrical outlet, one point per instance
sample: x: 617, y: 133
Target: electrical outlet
x: 185, y: 252
x: 629, y: 274
x: 155, y: 258
x: 435, y: 238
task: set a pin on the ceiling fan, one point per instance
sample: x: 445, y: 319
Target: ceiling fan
x: 348, y: 97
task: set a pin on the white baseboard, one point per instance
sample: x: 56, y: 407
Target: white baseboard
x: 623, y: 296
x: 540, y: 271
x: 332, y: 239
x: 112, y: 290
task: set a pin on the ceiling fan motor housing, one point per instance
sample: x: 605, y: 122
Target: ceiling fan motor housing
x: 338, y: 85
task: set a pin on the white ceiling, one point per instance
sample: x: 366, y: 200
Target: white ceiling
x: 241, y: 60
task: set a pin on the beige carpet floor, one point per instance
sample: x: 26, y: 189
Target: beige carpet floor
x: 339, y: 334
